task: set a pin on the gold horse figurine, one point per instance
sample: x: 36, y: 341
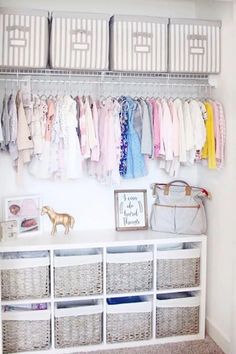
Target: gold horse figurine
x: 58, y: 219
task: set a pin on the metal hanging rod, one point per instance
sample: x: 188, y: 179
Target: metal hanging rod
x: 102, y: 74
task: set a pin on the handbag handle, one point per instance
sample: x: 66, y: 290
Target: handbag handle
x: 166, y: 187
x: 188, y: 188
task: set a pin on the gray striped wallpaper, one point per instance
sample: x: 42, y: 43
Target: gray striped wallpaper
x: 79, y: 43
x: 194, y: 47
x: 23, y: 40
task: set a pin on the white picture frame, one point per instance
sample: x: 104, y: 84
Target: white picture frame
x: 26, y: 210
x: 131, y: 209
x: 8, y: 230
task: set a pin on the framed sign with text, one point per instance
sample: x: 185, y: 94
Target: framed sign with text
x: 131, y: 209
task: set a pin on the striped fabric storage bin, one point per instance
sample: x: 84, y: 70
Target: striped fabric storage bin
x: 79, y: 41
x: 194, y: 46
x: 23, y: 38
x: 138, y: 43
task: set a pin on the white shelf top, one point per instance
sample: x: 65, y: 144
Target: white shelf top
x: 93, y: 238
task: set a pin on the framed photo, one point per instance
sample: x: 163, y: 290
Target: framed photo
x: 131, y: 209
x: 8, y: 230
x: 26, y: 211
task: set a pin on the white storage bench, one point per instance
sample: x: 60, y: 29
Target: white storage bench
x: 194, y: 46
x: 177, y: 315
x: 26, y: 277
x: 26, y: 330
x: 178, y: 268
x: 23, y: 38
x: 138, y: 43
x: 129, y: 272
x: 79, y: 41
x: 78, y: 324
x: 78, y: 275
x: 129, y: 321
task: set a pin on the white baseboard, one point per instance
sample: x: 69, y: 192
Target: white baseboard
x: 221, y: 340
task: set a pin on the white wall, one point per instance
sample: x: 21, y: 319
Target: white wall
x: 92, y: 204
x: 221, y: 184
x: 138, y: 7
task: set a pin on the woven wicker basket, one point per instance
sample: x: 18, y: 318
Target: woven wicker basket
x: 78, y: 275
x: 128, y: 326
x: 25, y: 278
x: 129, y: 272
x: 177, y: 317
x: 178, y: 269
x: 26, y: 335
x: 74, y: 329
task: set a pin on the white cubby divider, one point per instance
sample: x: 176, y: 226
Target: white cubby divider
x: 132, y: 244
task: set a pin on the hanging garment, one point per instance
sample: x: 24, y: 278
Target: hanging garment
x: 222, y: 128
x: 40, y: 166
x: 5, y: 120
x: 50, y: 119
x: 208, y: 151
x: 175, y: 122
x: 216, y: 129
x: 156, y: 127
x: 124, y: 124
x: 1, y: 133
x: 12, y: 117
x: 167, y: 130
x: 95, y: 153
x: 84, y: 144
x: 175, y: 164
x: 115, y: 175
x: 138, y: 119
x: 106, y: 170
x: 135, y: 160
x: 189, y: 134
x: 12, y: 112
x: 110, y: 156
x: 146, y: 141
x: 24, y: 139
x: 90, y: 131
x: 182, y: 143
x: 149, y: 106
x: 199, y: 129
x: 161, y: 128
x: 72, y: 152
x: 36, y: 127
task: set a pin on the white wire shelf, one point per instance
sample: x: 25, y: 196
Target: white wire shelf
x: 103, y: 74
x: 106, y: 83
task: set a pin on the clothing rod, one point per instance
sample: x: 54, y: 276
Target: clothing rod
x: 107, y: 82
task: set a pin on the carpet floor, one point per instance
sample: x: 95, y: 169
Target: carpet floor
x: 206, y: 346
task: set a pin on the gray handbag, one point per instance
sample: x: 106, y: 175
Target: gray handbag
x: 178, y: 208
